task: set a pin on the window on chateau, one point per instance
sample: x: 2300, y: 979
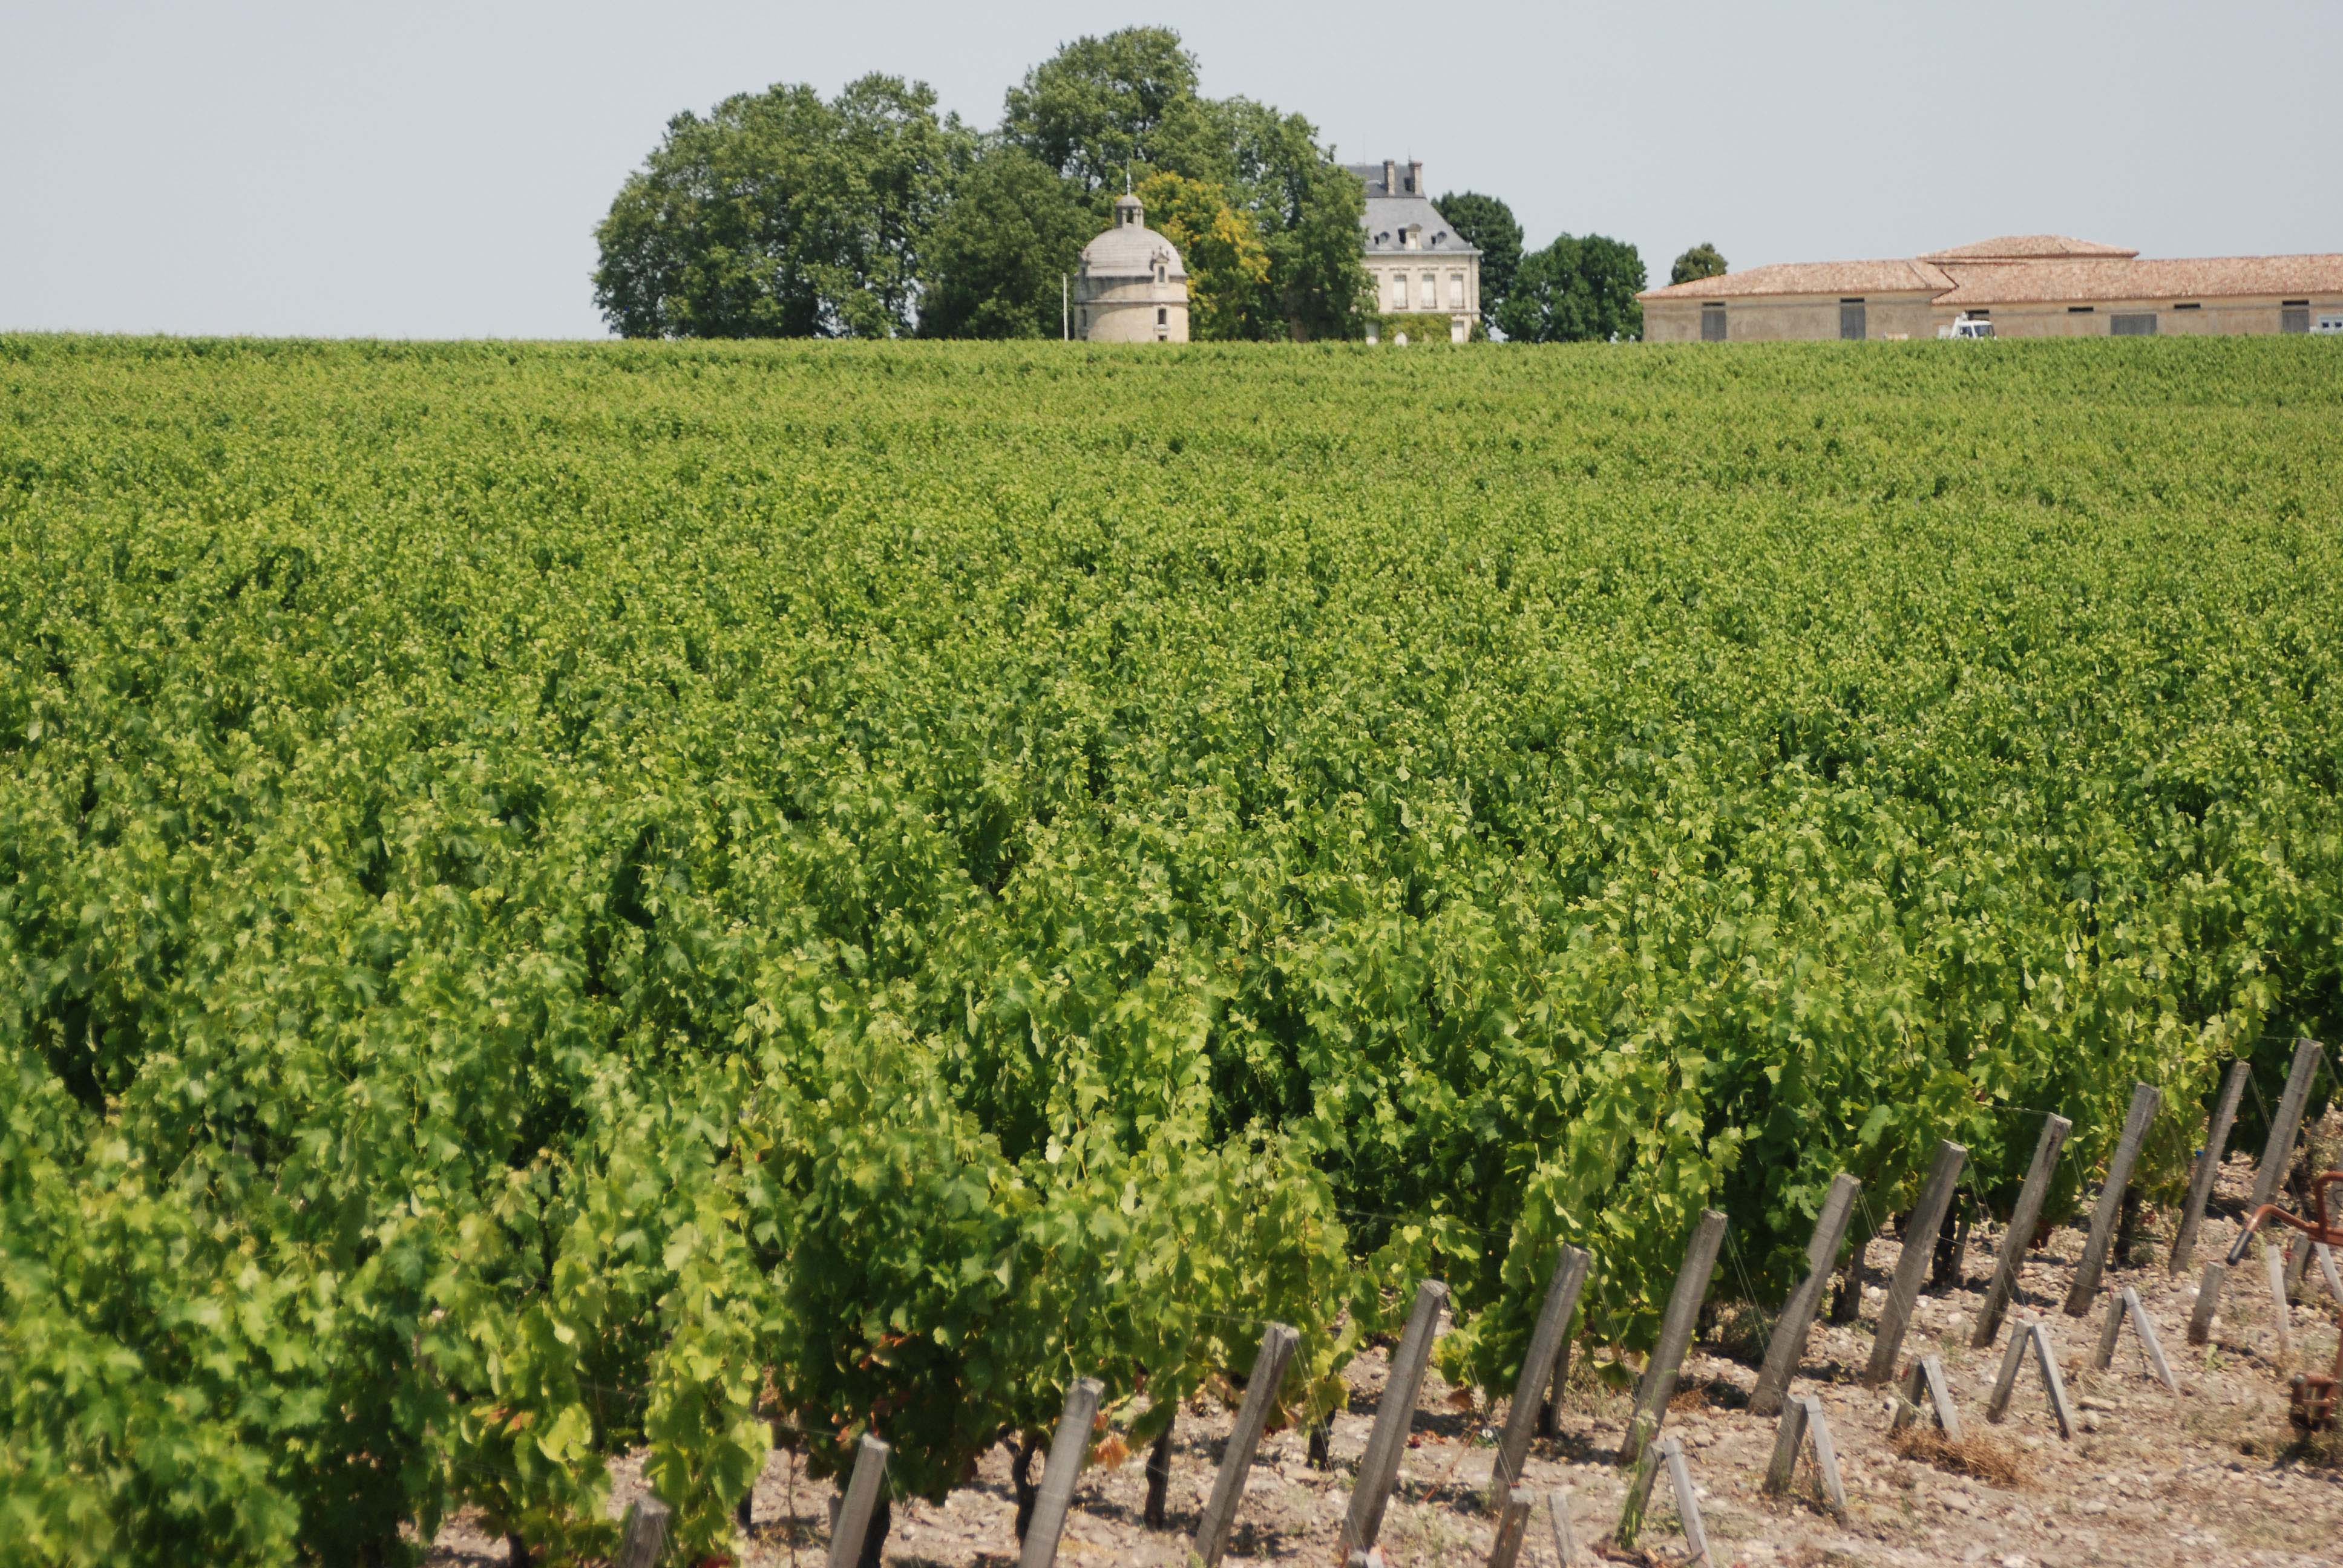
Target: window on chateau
x: 1455, y: 291
x: 1431, y: 295
x: 1163, y: 316
x: 1399, y: 291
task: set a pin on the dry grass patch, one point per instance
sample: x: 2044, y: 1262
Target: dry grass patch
x: 1989, y: 1459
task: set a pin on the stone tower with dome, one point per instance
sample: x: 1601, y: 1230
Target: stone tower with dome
x: 1132, y: 287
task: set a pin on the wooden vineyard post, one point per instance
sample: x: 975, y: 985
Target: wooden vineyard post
x: 2034, y: 1338
x: 1547, y: 1341
x: 2144, y: 1099
x: 2276, y: 1263
x: 1379, y: 1469
x: 1244, y: 1442
x: 1789, y: 1436
x: 846, y: 1537
x: 1789, y: 1341
x: 1668, y: 1455
x: 1068, y: 1447
x: 1920, y: 1229
x: 2279, y: 1152
x: 1997, y: 1404
x: 2119, y: 1307
x: 1557, y: 1513
x: 1512, y: 1526
x: 2209, y: 1302
x: 1927, y: 1379
x: 2020, y: 1235
x: 644, y: 1540
x: 2208, y: 1165
x: 1802, y: 1420
x: 1687, y: 1500
x: 1659, y: 1384
x: 1818, y: 1432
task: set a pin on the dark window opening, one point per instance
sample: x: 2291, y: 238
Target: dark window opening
x: 2080, y: 309
x: 1163, y: 316
x: 2188, y: 307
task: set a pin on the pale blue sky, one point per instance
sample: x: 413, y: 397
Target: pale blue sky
x: 436, y: 170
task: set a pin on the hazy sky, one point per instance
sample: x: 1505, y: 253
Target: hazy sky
x: 436, y: 170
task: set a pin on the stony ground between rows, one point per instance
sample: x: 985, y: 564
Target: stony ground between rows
x: 2213, y: 1476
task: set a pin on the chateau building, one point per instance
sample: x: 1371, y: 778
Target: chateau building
x: 1420, y: 266
x: 1132, y: 287
x: 2019, y: 286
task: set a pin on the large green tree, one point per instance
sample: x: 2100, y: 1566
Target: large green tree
x: 781, y: 215
x: 1100, y: 105
x: 1311, y: 211
x: 1577, y: 289
x: 1227, y: 264
x: 997, y: 259
x: 1703, y: 260
x: 1488, y: 224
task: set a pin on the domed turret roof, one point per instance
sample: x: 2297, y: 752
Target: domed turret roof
x: 1130, y: 248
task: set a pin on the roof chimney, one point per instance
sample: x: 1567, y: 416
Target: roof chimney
x: 1415, y: 176
x: 1391, y: 178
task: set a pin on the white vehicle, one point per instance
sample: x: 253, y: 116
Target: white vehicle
x: 1966, y: 327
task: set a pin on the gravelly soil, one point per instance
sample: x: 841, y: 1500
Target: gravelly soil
x: 2212, y: 1476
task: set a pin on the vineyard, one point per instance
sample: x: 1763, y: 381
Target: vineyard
x: 561, y: 901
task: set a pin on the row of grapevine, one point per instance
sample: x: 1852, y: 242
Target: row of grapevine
x: 562, y: 901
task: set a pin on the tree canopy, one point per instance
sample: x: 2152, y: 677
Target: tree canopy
x: 1576, y: 290
x: 1100, y: 105
x: 783, y: 215
x: 1703, y: 260
x: 1487, y: 224
x: 996, y: 262
x: 1228, y: 265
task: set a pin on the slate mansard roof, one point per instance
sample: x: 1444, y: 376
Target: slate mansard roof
x: 2028, y: 269
x: 1391, y: 213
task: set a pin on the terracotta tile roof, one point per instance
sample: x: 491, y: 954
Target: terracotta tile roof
x: 2086, y: 281
x: 1835, y: 278
x: 2027, y: 248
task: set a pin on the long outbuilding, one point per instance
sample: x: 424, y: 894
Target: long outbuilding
x: 2023, y: 286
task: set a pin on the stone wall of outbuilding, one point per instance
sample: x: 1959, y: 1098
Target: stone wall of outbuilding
x: 1786, y: 319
